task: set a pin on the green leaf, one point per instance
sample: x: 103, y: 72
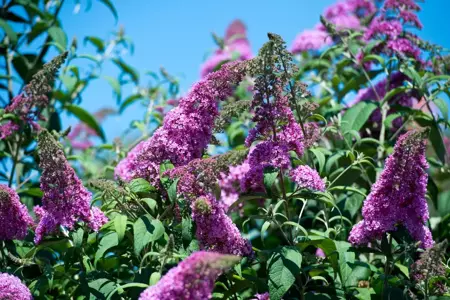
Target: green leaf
x: 264, y: 228
x: 111, y: 7
x: 146, y: 230
x: 77, y: 237
x: 402, y: 269
x: 357, y: 115
x: 283, y: 266
x: 172, y: 190
x: 87, y: 118
x: 127, y: 69
x: 107, y: 242
x: 443, y: 107
x: 320, y: 158
x: 9, y: 31
x: 114, y: 83
x: 58, y: 36
x: 140, y: 185
x: 128, y: 101
x: 120, y: 225
x: 97, y: 42
x: 270, y: 176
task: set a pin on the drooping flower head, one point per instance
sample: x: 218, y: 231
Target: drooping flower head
x: 11, y: 288
x: 14, y: 216
x: 307, y: 178
x: 235, y: 46
x: 215, y: 230
x: 193, y: 118
x: 192, y: 279
x: 28, y: 105
x: 65, y: 199
x: 398, y: 196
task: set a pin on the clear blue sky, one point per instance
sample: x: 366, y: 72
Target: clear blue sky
x: 176, y: 34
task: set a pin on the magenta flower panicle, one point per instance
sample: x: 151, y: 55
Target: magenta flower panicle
x: 307, y: 178
x: 11, y: 288
x: 215, y: 230
x: 14, y: 216
x: 192, y: 279
x: 398, y: 196
x: 193, y: 118
x: 65, y: 199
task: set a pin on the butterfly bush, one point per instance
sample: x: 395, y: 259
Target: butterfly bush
x: 215, y: 230
x: 193, y: 118
x: 192, y: 279
x: 398, y: 196
x: 14, y: 217
x: 11, y: 288
x: 65, y: 200
x: 235, y: 46
x: 205, y: 202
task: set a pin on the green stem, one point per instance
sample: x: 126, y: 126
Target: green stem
x: 340, y: 175
x: 15, y: 161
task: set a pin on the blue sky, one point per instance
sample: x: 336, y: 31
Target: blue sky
x: 176, y: 34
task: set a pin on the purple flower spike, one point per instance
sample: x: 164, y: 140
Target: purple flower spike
x: 14, y: 216
x: 398, y: 196
x: 193, y: 118
x: 215, y: 230
x: 192, y: 279
x: 65, y: 199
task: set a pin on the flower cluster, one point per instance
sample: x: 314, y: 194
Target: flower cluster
x: 193, y: 118
x: 307, y: 178
x: 11, y: 288
x: 14, y: 216
x: 398, y: 196
x: 28, y: 106
x: 215, y: 230
x: 344, y: 15
x: 395, y: 16
x: 235, y: 46
x: 192, y: 279
x: 65, y: 199
x: 264, y: 296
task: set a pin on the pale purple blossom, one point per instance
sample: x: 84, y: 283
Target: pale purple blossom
x: 398, y: 196
x: 311, y: 40
x: 307, y: 178
x: 192, y: 279
x: 11, y: 288
x: 14, y: 216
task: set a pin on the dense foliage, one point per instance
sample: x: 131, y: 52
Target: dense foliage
x: 315, y: 172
